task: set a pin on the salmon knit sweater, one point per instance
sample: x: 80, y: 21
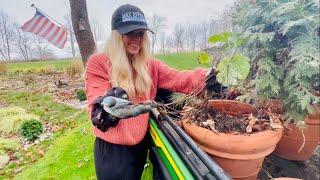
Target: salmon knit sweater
x: 131, y: 131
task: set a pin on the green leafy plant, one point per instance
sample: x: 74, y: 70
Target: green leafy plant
x: 31, y: 129
x: 81, y: 95
x: 233, y: 66
x: 283, y: 44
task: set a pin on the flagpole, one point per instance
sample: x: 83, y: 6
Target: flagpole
x: 32, y: 5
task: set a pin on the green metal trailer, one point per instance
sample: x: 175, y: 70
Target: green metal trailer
x: 175, y: 155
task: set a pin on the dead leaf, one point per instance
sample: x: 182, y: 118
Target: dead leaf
x: 29, y: 154
x: 248, y: 129
x: 252, y: 121
x: 80, y: 164
x: 16, y: 171
x: 275, y: 122
x: 41, y: 152
x: 208, y: 122
x: 257, y: 127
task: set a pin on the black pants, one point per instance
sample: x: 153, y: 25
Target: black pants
x: 113, y: 161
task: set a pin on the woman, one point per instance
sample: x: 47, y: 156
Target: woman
x: 121, y: 145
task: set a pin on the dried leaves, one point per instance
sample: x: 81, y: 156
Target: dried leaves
x: 248, y: 123
x: 251, y: 122
x: 210, y: 124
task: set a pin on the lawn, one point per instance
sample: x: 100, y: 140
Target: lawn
x: 55, y: 64
x: 182, y: 61
x: 70, y: 152
x: 69, y: 157
x: 179, y: 61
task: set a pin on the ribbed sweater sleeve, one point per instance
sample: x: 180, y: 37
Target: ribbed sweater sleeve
x: 96, y: 78
x: 180, y: 81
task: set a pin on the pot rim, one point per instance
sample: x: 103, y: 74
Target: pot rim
x: 234, y: 146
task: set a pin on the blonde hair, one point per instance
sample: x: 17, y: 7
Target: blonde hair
x: 121, y: 73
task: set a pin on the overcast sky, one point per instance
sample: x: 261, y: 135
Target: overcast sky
x: 192, y: 11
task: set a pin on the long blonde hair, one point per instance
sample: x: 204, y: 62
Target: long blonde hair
x: 121, y: 73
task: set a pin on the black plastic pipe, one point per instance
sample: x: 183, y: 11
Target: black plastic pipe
x: 211, y: 165
x: 198, y: 170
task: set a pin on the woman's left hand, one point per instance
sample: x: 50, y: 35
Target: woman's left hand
x: 213, y: 87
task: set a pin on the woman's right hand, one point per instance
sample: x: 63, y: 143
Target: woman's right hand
x: 102, y: 119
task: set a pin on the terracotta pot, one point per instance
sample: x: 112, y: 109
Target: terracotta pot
x: 292, y: 139
x: 240, y: 155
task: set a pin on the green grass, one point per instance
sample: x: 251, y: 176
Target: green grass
x: 40, y: 105
x: 70, y: 156
x: 182, y: 61
x: 56, y: 64
x: 177, y: 60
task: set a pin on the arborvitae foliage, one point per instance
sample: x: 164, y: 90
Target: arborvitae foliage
x: 283, y: 45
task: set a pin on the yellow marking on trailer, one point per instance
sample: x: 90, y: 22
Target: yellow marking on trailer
x: 160, y: 144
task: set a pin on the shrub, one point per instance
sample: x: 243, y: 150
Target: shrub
x: 18, y: 72
x: 80, y: 95
x: 48, y: 69
x: 31, y: 129
x: 30, y: 71
x: 3, y: 68
x: 75, y: 68
x: 12, y: 118
x: 283, y: 45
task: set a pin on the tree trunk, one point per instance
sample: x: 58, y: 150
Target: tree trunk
x: 81, y: 28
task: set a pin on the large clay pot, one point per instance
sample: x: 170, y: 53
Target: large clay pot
x: 238, y: 154
x: 292, y: 139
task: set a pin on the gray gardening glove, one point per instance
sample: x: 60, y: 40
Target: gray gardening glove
x: 123, y: 108
x: 102, y: 119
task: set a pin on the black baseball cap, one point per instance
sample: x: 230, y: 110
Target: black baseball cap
x: 128, y: 18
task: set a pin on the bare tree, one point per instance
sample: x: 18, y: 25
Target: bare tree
x: 67, y: 18
x: 6, y: 36
x: 162, y: 39
x: 157, y: 24
x: 169, y: 44
x: 74, y: 49
x: 96, y: 29
x: 82, y: 29
x: 226, y: 18
x: 193, y: 32
x: 178, y: 37
x: 42, y: 49
x: 204, y: 34
x: 23, y: 42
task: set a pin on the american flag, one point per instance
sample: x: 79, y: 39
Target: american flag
x: 44, y: 27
